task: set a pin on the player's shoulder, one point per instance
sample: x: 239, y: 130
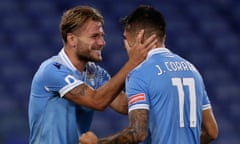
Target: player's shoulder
x: 142, y: 70
x: 52, y: 65
x: 146, y: 65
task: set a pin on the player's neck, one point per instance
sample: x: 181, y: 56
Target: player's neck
x: 78, y: 64
x: 160, y: 45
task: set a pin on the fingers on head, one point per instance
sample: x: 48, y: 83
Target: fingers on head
x: 140, y: 36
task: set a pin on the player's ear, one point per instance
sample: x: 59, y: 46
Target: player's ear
x: 71, y: 39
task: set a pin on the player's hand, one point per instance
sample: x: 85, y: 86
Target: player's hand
x: 139, y: 50
x: 88, y: 138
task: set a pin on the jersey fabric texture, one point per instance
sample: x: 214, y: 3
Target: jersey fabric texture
x: 173, y: 91
x: 52, y: 118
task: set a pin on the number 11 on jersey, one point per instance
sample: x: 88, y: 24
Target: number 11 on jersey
x: 190, y: 83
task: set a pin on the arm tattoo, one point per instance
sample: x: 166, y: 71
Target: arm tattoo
x: 79, y: 90
x: 135, y: 133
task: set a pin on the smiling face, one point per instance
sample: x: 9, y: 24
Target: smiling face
x: 89, y: 41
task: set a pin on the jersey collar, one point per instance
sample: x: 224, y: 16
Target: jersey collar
x: 156, y: 51
x: 66, y: 60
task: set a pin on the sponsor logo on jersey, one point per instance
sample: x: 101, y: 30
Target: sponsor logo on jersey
x: 57, y: 65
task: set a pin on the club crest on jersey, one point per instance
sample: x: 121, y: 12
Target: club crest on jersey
x: 91, y: 78
x: 137, y: 98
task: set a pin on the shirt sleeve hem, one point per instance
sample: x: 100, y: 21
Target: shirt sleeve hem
x: 68, y: 87
x: 139, y: 106
x: 205, y: 107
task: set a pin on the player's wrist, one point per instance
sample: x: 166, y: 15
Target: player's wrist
x: 132, y: 64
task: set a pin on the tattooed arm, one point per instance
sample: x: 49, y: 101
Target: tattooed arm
x: 100, y: 98
x: 136, y: 132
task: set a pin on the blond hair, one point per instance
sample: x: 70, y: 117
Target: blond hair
x: 76, y: 17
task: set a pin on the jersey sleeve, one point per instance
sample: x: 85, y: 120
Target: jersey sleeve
x: 60, y: 79
x: 136, y: 90
x: 206, y: 102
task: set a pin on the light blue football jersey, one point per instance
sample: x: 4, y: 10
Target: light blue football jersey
x: 173, y: 91
x: 52, y: 118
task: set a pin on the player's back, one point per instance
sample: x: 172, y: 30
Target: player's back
x: 176, y: 95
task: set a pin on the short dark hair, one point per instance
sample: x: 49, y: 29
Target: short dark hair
x: 147, y: 18
x: 76, y: 17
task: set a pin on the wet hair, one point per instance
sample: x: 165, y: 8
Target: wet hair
x: 76, y: 17
x: 147, y: 18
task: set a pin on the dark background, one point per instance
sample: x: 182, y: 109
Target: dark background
x: 205, y: 32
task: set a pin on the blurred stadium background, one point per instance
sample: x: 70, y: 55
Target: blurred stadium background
x: 205, y: 32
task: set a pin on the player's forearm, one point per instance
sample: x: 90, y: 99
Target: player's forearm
x: 102, y: 97
x: 106, y: 94
x: 127, y: 136
x: 135, y: 133
x: 120, y: 103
